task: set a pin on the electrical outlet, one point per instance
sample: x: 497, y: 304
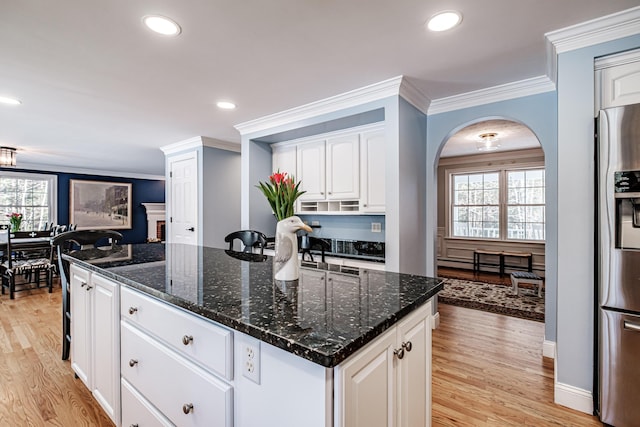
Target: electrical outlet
x: 251, y: 359
x: 376, y: 227
x: 315, y: 222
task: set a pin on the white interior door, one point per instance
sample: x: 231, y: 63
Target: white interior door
x: 183, y: 199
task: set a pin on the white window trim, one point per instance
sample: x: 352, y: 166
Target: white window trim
x: 501, y: 169
x: 53, y: 186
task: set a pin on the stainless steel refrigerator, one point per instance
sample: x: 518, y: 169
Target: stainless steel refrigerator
x: 617, y: 379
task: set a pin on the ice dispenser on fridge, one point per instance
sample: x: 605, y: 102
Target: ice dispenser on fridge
x: 627, y: 196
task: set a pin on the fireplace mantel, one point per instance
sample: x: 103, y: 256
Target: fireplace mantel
x: 155, y: 213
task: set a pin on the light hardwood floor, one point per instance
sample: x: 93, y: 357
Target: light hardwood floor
x: 488, y: 370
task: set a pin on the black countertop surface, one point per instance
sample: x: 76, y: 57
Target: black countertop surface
x: 326, y: 316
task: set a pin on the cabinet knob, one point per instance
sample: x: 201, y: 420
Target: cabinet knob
x: 187, y: 339
x: 89, y: 288
x: 133, y: 425
x: 191, y: 229
x: 133, y: 362
x: 187, y: 408
x: 322, y: 193
x: 329, y: 193
x: 407, y: 345
x: 364, y: 206
x: 399, y: 353
x: 132, y: 310
x: 83, y: 284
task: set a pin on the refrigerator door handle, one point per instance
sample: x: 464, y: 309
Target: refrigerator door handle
x: 631, y: 326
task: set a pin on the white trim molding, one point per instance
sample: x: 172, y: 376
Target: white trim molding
x: 549, y: 349
x: 199, y: 141
x: 435, y: 320
x: 399, y: 85
x: 573, y: 397
x: 531, y: 86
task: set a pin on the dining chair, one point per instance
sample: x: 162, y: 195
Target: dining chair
x: 250, y: 239
x: 68, y: 242
x: 27, y: 253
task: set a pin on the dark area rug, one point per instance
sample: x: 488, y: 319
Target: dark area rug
x: 496, y: 298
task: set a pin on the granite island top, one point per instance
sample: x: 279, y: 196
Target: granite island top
x: 303, y: 317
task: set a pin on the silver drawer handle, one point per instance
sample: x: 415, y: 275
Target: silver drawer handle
x: 89, y: 288
x: 631, y: 326
x: 83, y: 284
x: 187, y: 408
x: 187, y: 339
x: 132, y: 310
x: 407, y: 345
x: 133, y: 362
x: 399, y: 353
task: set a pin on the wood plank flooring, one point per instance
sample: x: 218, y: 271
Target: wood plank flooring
x: 37, y: 388
x: 488, y: 370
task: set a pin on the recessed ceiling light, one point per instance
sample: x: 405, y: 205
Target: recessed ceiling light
x: 10, y: 101
x: 162, y: 25
x: 445, y: 20
x: 226, y: 105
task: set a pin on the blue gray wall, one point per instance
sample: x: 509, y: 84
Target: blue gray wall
x: 575, y: 184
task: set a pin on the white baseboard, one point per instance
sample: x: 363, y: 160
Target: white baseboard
x: 549, y: 349
x: 435, y: 321
x: 574, y: 398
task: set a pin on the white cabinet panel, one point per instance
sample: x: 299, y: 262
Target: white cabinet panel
x: 197, y: 339
x: 343, y: 167
x: 184, y: 393
x: 137, y: 411
x: 620, y: 85
x: 284, y: 159
x: 311, y: 170
x: 373, y: 164
x: 81, y: 324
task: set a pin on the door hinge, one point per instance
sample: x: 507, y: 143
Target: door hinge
x: 170, y: 174
x: 170, y: 219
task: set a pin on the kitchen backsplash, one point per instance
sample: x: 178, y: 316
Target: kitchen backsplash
x: 347, y: 227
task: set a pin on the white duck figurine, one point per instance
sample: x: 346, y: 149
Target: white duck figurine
x: 286, y: 258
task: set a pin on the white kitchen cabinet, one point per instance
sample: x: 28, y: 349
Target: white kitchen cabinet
x: 312, y: 170
x: 373, y: 166
x: 177, y: 365
x: 388, y: 382
x: 95, y: 349
x: 618, y: 79
x: 284, y: 159
x: 343, y: 167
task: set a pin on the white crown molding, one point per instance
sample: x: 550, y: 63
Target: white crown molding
x: 414, y: 96
x: 349, y: 99
x: 599, y: 30
x: 532, y: 86
x: 83, y: 171
x: 617, y: 59
x: 199, y: 141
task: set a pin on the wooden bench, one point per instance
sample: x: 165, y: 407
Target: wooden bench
x: 526, y: 277
x: 502, y: 256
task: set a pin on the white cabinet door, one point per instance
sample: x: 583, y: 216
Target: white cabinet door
x: 311, y: 170
x: 106, y: 344
x: 343, y: 167
x: 621, y: 85
x: 312, y: 307
x: 284, y: 160
x: 373, y: 171
x: 414, y: 407
x: 81, y: 324
x: 182, y: 202
x: 367, y: 384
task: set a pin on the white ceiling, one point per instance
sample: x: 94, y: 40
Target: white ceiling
x: 101, y: 92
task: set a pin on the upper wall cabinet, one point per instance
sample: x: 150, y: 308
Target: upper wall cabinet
x: 341, y: 172
x: 618, y: 78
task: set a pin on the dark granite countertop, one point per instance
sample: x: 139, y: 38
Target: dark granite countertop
x: 301, y: 317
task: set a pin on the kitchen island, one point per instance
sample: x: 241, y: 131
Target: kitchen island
x: 204, y: 337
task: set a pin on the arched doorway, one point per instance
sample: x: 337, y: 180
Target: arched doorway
x: 491, y: 214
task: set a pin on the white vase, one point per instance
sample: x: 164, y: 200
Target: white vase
x: 285, y: 262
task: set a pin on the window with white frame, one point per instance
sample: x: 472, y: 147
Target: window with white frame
x: 32, y: 195
x: 498, y: 204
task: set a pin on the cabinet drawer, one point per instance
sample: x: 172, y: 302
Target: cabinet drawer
x: 171, y: 383
x: 136, y: 411
x: 197, y: 339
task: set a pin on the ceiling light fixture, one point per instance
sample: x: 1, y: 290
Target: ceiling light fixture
x: 162, y: 25
x: 226, y: 105
x: 488, y: 142
x: 7, y: 156
x: 10, y: 101
x: 445, y: 20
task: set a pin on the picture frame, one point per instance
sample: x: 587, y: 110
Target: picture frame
x: 99, y: 205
